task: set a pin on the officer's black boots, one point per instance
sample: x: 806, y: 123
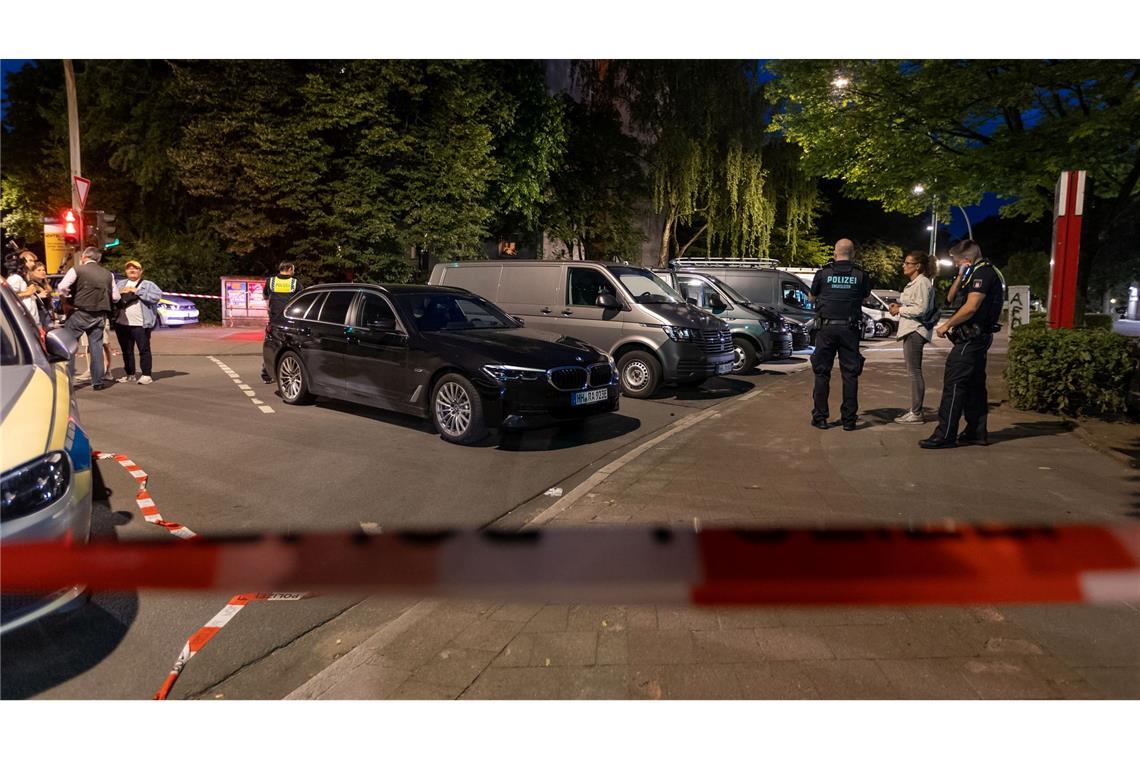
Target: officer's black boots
x: 937, y: 443
x: 821, y: 424
x: 849, y: 425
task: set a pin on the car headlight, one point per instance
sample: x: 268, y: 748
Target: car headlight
x: 35, y: 485
x: 680, y: 334
x: 505, y: 373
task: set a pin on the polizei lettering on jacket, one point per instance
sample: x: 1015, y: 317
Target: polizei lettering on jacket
x: 842, y: 280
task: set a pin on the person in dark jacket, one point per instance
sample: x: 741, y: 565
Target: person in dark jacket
x: 837, y: 292
x: 92, y: 290
x: 280, y: 290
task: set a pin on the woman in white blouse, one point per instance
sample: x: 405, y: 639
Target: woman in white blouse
x: 918, y: 314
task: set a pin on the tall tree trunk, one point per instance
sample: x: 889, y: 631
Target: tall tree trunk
x: 666, y: 238
x: 685, y: 247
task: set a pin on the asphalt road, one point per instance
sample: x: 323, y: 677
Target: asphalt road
x: 220, y: 464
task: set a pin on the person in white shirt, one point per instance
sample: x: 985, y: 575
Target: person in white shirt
x: 918, y: 313
x: 135, y: 321
x: 15, y: 271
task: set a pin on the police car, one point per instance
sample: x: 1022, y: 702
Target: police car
x: 175, y: 311
x: 46, y: 479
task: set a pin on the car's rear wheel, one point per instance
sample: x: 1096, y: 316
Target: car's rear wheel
x: 457, y: 410
x: 291, y: 380
x: 744, y: 354
x: 640, y: 374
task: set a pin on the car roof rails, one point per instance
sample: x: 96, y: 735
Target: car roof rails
x: 698, y: 263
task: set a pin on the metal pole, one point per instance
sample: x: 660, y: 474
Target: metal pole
x: 73, y: 139
x: 969, y: 231
x: 933, y: 230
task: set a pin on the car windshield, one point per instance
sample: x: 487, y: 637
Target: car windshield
x: 645, y: 287
x: 435, y: 312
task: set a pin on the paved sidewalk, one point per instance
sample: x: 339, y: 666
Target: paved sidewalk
x: 756, y: 461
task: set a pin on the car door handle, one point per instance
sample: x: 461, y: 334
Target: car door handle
x: 304, y: 331
x: 545, y: 310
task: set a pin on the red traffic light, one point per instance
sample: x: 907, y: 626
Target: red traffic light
x: 70, y: 226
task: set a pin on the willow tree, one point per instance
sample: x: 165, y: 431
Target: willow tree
x: 714, y: 170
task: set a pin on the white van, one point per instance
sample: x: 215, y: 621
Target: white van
x: 654, y: 336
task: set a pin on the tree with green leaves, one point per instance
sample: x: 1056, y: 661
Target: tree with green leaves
x: 964, y: 128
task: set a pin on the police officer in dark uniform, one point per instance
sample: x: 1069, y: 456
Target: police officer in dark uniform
x: 838, y: 291
x: 979, y: 300
x: 279, y: 290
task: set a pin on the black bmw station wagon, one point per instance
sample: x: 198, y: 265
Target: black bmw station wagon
x: 437, y: 352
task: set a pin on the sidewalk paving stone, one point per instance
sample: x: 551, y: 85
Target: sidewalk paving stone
x: 549, y: 619
x: 660, y: 647
x: 453, y: 667
x: 568, y: 648
x: 598, y: 682
x: 738, y: 645
x: 685, y: 681
x: 774, y: 680
x: 849, y: 679
x: 942, y: 678
x: 613, y: 648
x: 792, y: 644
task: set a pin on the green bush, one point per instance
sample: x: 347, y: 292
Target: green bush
x: 1070, y: 372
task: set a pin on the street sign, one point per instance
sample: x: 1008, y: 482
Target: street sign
x: 82, y: 187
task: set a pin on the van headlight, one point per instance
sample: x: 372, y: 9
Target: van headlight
x: 506, y: 373
x: 681, y: 334
x: 35, y: 485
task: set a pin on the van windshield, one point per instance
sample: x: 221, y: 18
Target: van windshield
x: 644, y: 286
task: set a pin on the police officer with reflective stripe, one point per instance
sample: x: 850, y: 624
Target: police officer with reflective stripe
x: 979, y: 300
x: 838, y: 291
x: 280, y: 290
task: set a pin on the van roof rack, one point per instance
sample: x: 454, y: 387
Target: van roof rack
x: 732, y: 263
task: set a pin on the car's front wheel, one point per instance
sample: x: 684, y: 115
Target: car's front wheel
x: 291, y: 381
x: 640, y: 374
x: 457, y: 410
x: 744, y: 354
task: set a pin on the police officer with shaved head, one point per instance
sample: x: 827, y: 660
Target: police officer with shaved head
x: 979, y: 296
x: 838, y: 291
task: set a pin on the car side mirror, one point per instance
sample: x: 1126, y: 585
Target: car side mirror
x: 608, y: 301
x: 60, y: 345
x: 383, y: 325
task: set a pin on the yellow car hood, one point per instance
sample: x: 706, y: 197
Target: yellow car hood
x: 34, y: 413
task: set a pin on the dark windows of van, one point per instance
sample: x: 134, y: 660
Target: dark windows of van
x: 335, y: 310
x: 525, y: 285
x: 298, y: 308
x: 795, y: 294
x: 375, y: 313
x: 585, y: 285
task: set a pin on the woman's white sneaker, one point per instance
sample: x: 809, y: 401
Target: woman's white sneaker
x: 145, y: 380
x: 910, y: 418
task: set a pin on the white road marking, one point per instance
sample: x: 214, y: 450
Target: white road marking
x: 591, y: 482
x: 242, y: 386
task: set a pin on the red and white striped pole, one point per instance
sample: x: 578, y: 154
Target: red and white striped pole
x: 1069, y: 208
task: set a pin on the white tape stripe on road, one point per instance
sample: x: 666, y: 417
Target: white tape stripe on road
x: 591, y: 482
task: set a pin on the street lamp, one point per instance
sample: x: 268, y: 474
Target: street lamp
x: 840, y: 82
x: 933, y: 227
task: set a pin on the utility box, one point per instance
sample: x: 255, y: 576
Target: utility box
x: 243, y: 302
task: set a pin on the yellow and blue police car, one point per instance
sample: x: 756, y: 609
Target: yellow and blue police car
x: 45, y: 455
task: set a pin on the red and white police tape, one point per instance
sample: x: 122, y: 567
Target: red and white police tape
x: 145, y: 503
x: 151, y: 514
x: 934, y: 565
x: 192, y: 295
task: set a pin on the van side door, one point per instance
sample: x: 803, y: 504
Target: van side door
x: 532, y: 292
x: 581, y: 317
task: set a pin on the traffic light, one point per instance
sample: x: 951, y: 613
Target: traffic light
x: 105, y: 230
x: 71, y: 222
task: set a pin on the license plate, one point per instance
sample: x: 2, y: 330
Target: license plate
x: 589, y: 397
x: 724, y: 369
